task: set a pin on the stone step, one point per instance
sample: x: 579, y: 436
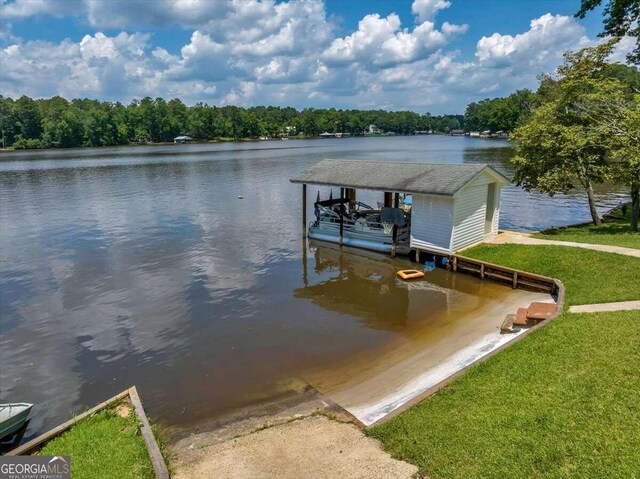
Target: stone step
x: 541, y: 311
x: 507, y: 324
x: 521, y: 317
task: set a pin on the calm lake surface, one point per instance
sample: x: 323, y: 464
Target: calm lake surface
x: 140, y: 265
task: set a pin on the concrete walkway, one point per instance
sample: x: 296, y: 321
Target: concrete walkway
x: 524, y: 238
x: 314, y: 447
x: 602, y: 307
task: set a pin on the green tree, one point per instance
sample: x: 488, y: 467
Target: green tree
x: 625, y: 126
x: 63, y: 131
x: 28, y: 118
x: 499, y: 113
x: 8, y: 121
x: 621, y: 17
x: 617, y: 116
x: 561, y: 145
x: 199, y: 121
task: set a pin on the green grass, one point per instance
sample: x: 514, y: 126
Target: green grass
x: 613, y: 231
x: 589, y: 276
x: 561, y: 403
x: 104, y: 446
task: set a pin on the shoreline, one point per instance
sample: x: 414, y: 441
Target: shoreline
x: 234, y: 440
x: 367, y: 390
x: 206, y: 142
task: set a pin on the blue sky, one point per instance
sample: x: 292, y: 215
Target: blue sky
x: 422, y: 55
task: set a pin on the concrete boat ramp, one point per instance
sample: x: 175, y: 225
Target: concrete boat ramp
x: 372, y: 386
x: 314, y: 430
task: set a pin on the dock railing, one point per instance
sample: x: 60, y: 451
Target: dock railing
x: 503, y: 274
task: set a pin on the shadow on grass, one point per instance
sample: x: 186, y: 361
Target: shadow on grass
x: 608, y: 228
x: 615, y: 230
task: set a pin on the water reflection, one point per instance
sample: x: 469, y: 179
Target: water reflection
x: 141, y: 266
x: 360, y: 284
x: 441, y: 324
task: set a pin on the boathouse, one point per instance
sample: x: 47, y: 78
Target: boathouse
x: 451, y: 207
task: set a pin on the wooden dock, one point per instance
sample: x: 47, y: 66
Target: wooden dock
x: 157, y: 460
x: 514, y: 277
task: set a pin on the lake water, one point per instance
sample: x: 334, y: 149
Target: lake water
x: 140, y: 265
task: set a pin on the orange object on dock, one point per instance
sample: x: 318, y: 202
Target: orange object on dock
x: 410, y: 274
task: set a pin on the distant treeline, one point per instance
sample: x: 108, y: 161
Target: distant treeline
x: 58, y: 123
x: 507, y: 113
x: 500, y: 114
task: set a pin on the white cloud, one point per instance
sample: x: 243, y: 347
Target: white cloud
x: 6, y: 31
x: 202, y: 59
x: 624, y: 46
x: 97, y: 65
x: 120, y: 14
x: 546, y: 40
x: 286, y: 53
x: 379, y: 42
x: 30, y: 8
x: 440, y: 82
x: 188, y: 13
x: 427, y: 9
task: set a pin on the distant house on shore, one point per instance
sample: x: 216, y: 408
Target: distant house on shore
x: 182, y: 139
x: 326, y: 134
x: 457, y: 132
x: 485, y: 134
x: 474, y: 134
x: 502, y: 134
x: 373, y: 130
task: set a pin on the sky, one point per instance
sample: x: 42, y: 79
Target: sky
x: 422, y: 55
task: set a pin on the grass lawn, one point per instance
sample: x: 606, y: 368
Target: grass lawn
x: 589, y: 276
x: 563, y: 402
x: 104, y: 446
x: 614, y: 232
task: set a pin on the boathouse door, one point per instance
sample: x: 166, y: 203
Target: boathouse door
x: 491, y: 208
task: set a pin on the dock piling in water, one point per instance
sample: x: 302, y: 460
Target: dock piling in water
x: 304, y: 210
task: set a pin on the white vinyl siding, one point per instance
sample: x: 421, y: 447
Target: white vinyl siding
x: 469, y: 216
x: 432, y: 223
x: 496, y: 215
x: 448, y: 224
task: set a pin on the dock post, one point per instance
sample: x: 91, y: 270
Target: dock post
x: 350, y: 194
x: 341, y: 214
x: 394, y: 242
x: 304, y: 210
x: 305, y: 268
